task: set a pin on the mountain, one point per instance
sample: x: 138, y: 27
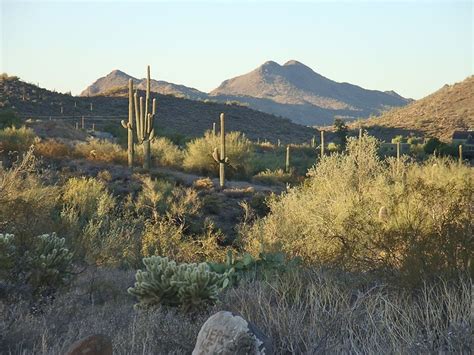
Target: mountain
x: 117, y: 79
x: 437, y: 115
x: 176, y: 117
x: 295, y: 91
x: 292, y: 90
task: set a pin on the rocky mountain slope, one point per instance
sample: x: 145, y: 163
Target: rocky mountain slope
x: 118, y: 79
x: 294, y: 90
x: 438, y: 115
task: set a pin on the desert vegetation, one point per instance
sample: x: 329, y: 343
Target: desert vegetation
x: 363, y: 254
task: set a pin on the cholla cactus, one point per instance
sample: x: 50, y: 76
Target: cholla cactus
x: 50, y: 261
x: 186, y: 285
x: 221, y: 159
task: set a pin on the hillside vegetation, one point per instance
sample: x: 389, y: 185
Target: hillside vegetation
x: 175, y: 116
x: 437, y: 115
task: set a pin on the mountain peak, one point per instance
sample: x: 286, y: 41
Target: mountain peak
x: 293, y: 62
x: 270, y: 63
x: 119, y: 73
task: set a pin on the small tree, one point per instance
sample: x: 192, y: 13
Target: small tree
x: 341, y: 131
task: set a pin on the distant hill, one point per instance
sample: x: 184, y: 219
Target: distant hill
x: 295, y: 91
x: 438, y: 115
x: 175, y: 116
x: 292, y: 90
x: 118, y: 79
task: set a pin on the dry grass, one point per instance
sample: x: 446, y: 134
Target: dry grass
x: 306, y: 312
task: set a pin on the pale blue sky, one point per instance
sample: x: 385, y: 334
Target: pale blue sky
x: 412, y: 47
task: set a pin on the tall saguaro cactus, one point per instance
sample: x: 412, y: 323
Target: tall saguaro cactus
x: 129, y: 125
x: 221, y: 158
x: 460, y: 154
x: 322, y: 144
x: 145, y: 122
x: 287, y: 162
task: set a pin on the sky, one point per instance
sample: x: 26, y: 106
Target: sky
x: 412, y: 47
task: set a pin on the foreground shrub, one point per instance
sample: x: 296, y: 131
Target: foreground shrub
x: 14, y: 139
x: 198, y: 156
x: 168, y: 283
x: 27, y: 205
x: 334, y: 218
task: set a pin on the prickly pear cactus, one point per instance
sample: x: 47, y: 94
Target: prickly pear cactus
x: 185, y: 285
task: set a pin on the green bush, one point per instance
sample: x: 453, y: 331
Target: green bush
x: 186, y: 285
x: 276, y: 177
x: 333, y: 219
x: 27, y: 206
x: 14, y: 139
x: 198, y: 155
x: 9, y: 118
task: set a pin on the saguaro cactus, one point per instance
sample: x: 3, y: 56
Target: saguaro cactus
x: 287, y: 163
x: 221, y: 158
x: 460, y: 154
x: 129, y: 125
x: 322, y: 144
x: 145, y: 122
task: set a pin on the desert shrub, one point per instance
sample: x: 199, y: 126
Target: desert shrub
x: 7, y: 254
x: 273, y: 177
x: 269, y: 158
x: 52, y: 148
x: 168, y: 283
x: 334, y: 218
x: 167, y: 238
x: 163, y: 153
x: 28, y: 207
x: 101, y: 150
x: 198, y: 155
x: 87, y: 205
x: 9, y: 118
x: 159, y: 198
x: 45, y: 264
x: 14, y: 139
x: 203, y: 184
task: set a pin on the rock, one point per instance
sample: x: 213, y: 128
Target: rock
x: 226, y: 333
x: 96, y: 344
